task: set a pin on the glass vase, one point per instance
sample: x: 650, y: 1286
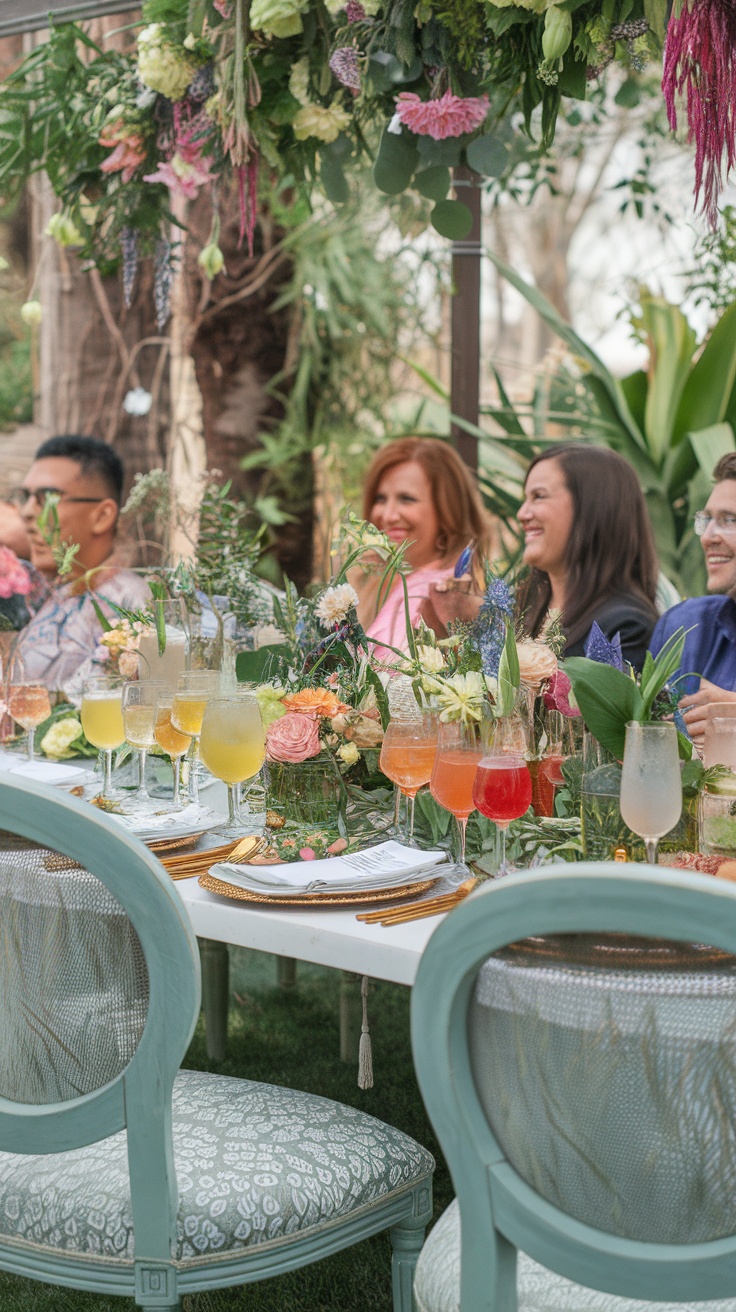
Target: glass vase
x: 305, y: 792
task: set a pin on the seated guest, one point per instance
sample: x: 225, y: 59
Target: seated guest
x: 710, y: 647
x: 591, y: 549
x: 419, y: 491
x: 86, y: 478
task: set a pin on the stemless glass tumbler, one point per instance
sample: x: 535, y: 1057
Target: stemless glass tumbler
x: 651, y: 786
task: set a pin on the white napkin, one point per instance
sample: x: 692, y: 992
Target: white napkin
x: 45, y: 772
x: 385, y: 866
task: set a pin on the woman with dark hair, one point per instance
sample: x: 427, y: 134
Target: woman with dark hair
x: 590, y: 546
x: 419, y: 491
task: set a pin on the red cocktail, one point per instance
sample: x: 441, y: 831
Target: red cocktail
x: 502, y: 792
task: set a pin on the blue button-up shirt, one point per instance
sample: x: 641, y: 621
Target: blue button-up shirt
x: 710, y: 647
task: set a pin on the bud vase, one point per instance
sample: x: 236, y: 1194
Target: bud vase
x: 305, y: 792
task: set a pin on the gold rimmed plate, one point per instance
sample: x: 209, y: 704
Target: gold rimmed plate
x: 359, y: 897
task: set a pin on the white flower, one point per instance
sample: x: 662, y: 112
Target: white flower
x: 460, y: 697
x: 431, y: 659
x: 31, y: 312
x: 334, y: 604
x: 324, y: 123
x: 348, y: 753
x: 160, y: 66
x: 394, y: 126
x: 299, y: 81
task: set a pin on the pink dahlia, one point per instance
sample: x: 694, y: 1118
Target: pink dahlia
x: 450, y: 116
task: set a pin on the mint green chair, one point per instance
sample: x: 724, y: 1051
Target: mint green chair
x: 581, y: 1079
x: 119, y: 1172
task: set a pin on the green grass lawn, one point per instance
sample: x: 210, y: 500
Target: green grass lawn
x: 291, y: 1037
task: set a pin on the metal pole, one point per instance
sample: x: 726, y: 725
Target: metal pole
x: 465, y: 372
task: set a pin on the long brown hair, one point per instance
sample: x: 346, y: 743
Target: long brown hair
x: 462, y: 517
x: 611, y: 545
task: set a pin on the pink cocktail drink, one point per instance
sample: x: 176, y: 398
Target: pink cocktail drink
x: 503, y: 788
x: 452, y: 781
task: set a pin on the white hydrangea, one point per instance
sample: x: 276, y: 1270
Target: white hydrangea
x: 299, y: 81
x: 277, y: 17
x: 334, y: 604
x: 160, y: 66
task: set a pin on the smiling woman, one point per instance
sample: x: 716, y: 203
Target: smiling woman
x: 420, y: 492
x: 591, y: 549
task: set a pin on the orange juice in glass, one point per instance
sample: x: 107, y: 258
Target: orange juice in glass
x: 102, y: 720
x: 170, y: 740
x: 233, y: 746
x: 193, y: 691
x: 407, y: 757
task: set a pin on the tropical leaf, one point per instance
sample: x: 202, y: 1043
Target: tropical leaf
x: 707, y: 391
x: 607, y: 699
x: 671, y: 345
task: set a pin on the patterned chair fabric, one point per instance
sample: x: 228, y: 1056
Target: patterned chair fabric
x: 580, y: 1074
x: 118, y: 1171
x: 437, y: 1282
x: 254, y: 1165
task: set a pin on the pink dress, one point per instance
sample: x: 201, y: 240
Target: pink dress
x: 389, y: 626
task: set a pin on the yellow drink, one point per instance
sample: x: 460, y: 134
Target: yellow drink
x: 187, y: 712
x: 139, y: 722
x: 167, y: 737
x: 232, y: 745
x: 102, y: 720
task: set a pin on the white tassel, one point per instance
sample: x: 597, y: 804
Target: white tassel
x: 365, y: 1052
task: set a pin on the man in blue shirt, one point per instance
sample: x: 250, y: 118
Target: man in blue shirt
x: 710, y: 646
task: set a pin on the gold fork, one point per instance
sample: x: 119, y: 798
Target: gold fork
x: 433, y: 906
x: 198, y: 863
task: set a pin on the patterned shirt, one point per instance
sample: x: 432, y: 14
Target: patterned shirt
x: 58, y: 645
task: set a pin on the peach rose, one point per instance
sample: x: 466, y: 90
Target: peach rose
x: 360, y: 727
x: 292, y: 738
x: 536, y: 663
x: 314, y: 701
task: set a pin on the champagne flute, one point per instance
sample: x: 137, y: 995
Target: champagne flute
x: 193, y: 690
x: 29, y: 704
x: 169, y: 739
x: 233, y: 746
x: 503, y: 784
x: 651, y: 785
x: 459, y: 751
x: 102, y: 721
x: 407, y: 756
x: 140, y: 701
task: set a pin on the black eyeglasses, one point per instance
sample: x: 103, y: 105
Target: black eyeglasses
x: 22, y: 495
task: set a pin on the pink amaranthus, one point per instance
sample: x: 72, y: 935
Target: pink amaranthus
x: 700, y: 62
x: 448, y: 116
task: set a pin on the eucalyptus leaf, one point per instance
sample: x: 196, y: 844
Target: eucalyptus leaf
x: 434, y: 182
x: 450, y: 218
x: 487, y: 155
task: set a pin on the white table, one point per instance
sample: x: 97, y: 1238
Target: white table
x: 329, y: 936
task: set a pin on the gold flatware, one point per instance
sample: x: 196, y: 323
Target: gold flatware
x: 197, y: 863
x: 433, y: 906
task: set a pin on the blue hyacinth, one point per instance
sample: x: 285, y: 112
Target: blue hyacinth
x: 598, y: 648
x: 489, y: 630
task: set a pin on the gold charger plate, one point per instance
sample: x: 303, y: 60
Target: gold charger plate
x: 173, y: 844
x: 214, y: 885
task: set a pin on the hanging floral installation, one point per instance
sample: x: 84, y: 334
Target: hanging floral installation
x: 308, y: 89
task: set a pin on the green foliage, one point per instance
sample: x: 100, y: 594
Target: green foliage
x: 712, y: 279
x: 672, y: 421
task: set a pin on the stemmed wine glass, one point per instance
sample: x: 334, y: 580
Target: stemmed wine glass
x: 459, y: 750
x: 170, y: 740
x: 140, y: 703
x: 193, y: 691
x: 651, y: 785
x: 407, y: 757
x: 29, y: 704
x: 503, y: 784
x: 102, y: 721
x: 233, y: 747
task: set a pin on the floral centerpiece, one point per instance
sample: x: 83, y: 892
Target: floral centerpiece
x: 307, y: 87
x: 17, y: 583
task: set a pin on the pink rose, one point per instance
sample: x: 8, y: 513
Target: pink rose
x: 294, y: 737
x: 128, y: 664
x: 15, y: 581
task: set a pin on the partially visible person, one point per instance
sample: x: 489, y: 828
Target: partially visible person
x: 418, y: 491
x: 707, y: 672
x: 590, y: 545
x: 86, y: 478
x: 13, y: 531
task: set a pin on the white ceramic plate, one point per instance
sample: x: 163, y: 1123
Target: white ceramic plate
x: 142, y: 827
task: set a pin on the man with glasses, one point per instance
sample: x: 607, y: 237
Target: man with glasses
x: 83, y: 480
x: 710, y: 647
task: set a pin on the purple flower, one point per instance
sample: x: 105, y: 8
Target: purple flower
x: 489, y: 630
x: 598, y: 648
